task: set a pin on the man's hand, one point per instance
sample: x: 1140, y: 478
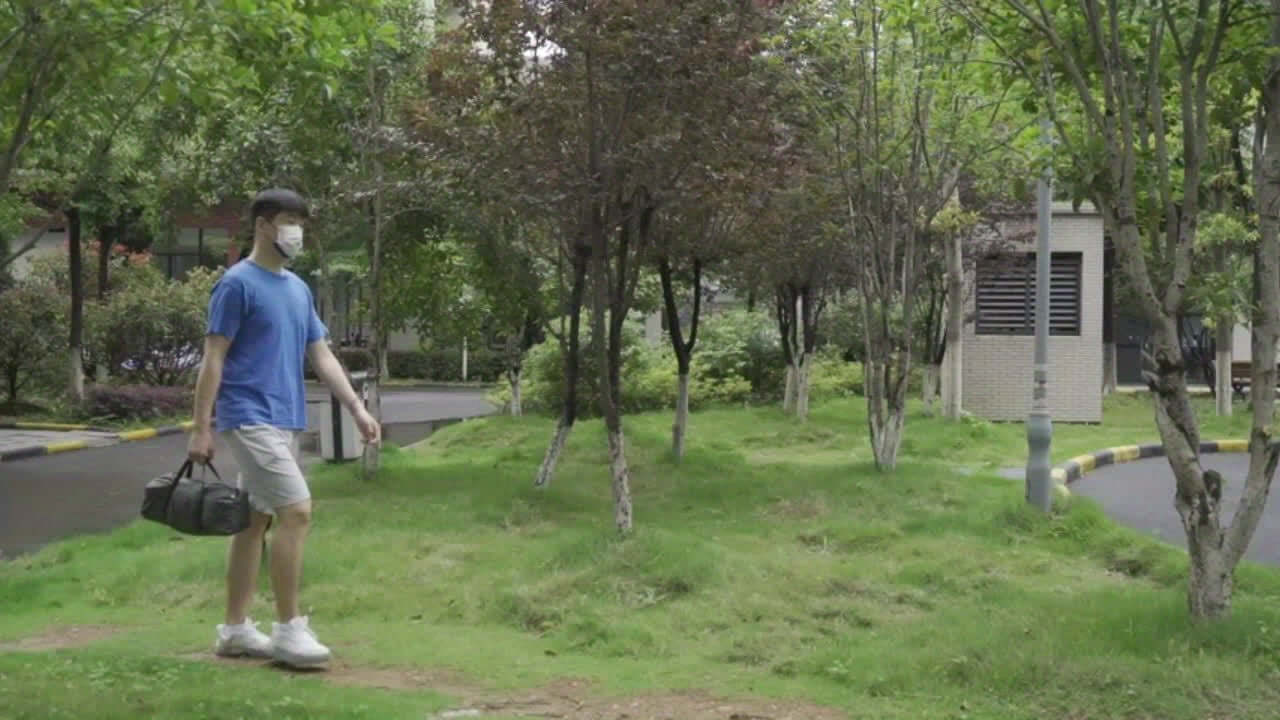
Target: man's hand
x: 368, y: 427
x: 200, y: 446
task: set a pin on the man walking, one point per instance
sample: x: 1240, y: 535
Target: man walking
x: 262, y: 321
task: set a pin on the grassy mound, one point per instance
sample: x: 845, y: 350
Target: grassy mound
x: 774, y: 561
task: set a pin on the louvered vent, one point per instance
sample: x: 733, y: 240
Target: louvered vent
x: 1007, y: 294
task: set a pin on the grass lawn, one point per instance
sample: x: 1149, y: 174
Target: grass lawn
x: 772, y: 574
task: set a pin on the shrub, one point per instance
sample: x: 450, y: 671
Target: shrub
x: 409, y: 364
x: 31, y: 331
x: 834, y: 377
x: 737, y: 360
x: 354, y: 359
x: 151, y: 330
x: 741, y: 344
x: 137, y: 402
x: 648, y: 376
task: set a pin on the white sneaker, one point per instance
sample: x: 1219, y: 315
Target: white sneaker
x: 243, y: 640
x: 294, y: 643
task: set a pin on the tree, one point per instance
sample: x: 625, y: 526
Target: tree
x: 510, y: 277
x: 594, y: 96
x: 28, y: 310
x: 685, y: 248
x: 901, y: 127
x: 144, y: 70
x: 1142, y: 163
x: 792, y: 248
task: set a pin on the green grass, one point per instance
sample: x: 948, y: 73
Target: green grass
x: 774, y: 561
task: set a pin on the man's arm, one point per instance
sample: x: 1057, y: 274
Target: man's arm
x: 200, y: 448
x: 332, y: 374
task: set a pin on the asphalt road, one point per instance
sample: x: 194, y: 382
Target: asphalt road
x: 1140, y: 495
x: 99, y: 489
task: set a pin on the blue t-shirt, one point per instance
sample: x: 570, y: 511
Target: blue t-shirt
x: 271, y: 319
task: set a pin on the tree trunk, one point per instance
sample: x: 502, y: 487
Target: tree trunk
x: 683, y: 350
x: 548, y: 468
x: 1209, y: 585
x: 1222, y: 366
x: 1109, y: 372
x: 1198, y: 495
x: 932, y: 379
x: 682, y: 415
x: 76, y: 341
x: 517, y: 407
x: 106, y: 238
x: 608, y: 348
x: 886, y: 411
x: 569, y: 412
x: 886, y: 438
x: 621, y: 480
x: 803, y: 367
x: 787, y: 309
x: 104, y: 261
x: 952, y: 400
x: 789, y: 392
x: 464, y: 359
x: 370, y: 456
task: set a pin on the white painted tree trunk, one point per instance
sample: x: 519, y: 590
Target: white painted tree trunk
x: 517, y: 405
x: 464, y: 359
x: 682, y: 416
x: 953, y: 388
x: 803, y: 369
x: 886, y: 438
x: 932, y: 378
x: 621, y: 481
x: 886, y: 414
x: 554, y: 451
x: 952, y: 383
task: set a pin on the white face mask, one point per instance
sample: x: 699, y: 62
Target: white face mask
x: 289, y: 241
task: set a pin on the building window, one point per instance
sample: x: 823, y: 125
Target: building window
x: 192, y: 248
x: 1006, y: 294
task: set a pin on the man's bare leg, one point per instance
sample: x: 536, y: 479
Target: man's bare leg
x: 292, y: 524
x: 244, y: 558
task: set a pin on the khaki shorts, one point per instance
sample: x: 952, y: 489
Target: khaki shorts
x: 269, y: 466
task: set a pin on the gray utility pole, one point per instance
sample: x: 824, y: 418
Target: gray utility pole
x: 1039, y: 423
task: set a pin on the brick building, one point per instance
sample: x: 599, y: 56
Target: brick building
x: 998, y: 346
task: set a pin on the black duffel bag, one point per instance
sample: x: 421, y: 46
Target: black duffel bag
x: 196, y: 507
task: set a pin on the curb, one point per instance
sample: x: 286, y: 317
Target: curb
x: 35, y: 451
x: 1079, y: 466
x: 59, y: 427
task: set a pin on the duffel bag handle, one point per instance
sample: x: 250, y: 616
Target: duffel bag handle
x: 212, y: 469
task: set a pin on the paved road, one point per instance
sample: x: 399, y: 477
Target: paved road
x: 99, y: 489
x: 1140, y: 494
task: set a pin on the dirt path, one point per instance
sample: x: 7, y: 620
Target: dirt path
x: 566, y: 699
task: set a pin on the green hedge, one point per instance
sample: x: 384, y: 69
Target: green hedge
x: 737, y: 360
